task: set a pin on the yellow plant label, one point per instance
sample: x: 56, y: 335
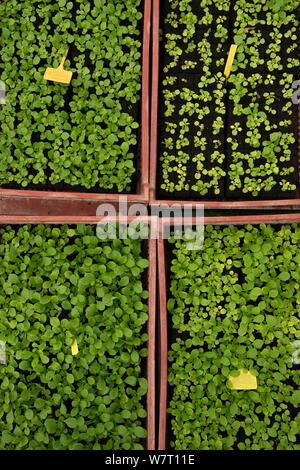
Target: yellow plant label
x: 245, y: 381
x: 230, y: 60
x: 59, y: 74
x: 74, y: 347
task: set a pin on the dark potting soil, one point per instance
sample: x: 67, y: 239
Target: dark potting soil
x: 195, y: 8
x: 253, y: 17
x: 177, y: 71
x: 134, y: 110
x: 256, y: 96
x: 205, y: 36
x: 218, y: 46
x: 257, y: 24
x: 190, y: 81
x: 265, y: 50
x: 173, y: 334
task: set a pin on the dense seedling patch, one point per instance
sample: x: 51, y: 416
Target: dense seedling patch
x: 234, y: 304
x: 60, y: 284
x: 83, y: 134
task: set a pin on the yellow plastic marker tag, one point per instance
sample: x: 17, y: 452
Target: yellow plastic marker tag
x: 59, y: 74
x: 245, y: 381
x: 74, y: 347
x: 230, y: 60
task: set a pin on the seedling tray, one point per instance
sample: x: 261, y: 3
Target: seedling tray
x: 165, y: 329
x: 227, y: 199
x: 150, y: 281
x: 78, y: 200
